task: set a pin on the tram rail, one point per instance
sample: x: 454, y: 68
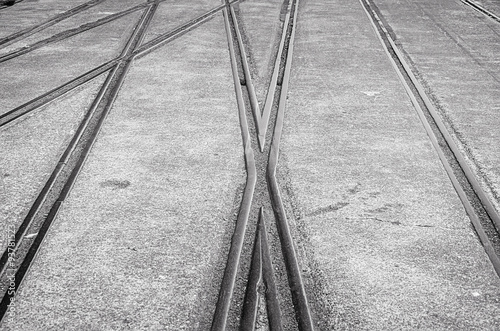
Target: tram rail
x: 30, y: 233
x: 483, y: 215
x: 261, y: 189
x: 482, y: 9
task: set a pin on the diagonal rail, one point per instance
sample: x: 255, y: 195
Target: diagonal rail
x: 51, y: 21
x: 415, y: 91
x: 13, y: 267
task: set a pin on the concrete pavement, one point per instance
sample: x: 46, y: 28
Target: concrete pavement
x: 381, y: 238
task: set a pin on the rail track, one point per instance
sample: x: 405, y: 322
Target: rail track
x: 262, y: 242
x: 262, y: 194
x: 482, y: 9
x: 24, y: 244
x: 479, y: 207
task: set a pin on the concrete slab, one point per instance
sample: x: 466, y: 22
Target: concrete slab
x: 46, y: 68
x: 171, y: 14
x: 31, y: 148
x: 98, y: 11
x: 454, y: 50
x: 385, y: 242
x: 142, y: 240
x: 22, y: 15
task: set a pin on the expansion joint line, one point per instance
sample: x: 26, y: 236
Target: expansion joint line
x: 261, y: 270
x: 14, y: 264
x: 407, y: 78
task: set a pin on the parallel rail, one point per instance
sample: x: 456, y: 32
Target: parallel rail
x: 479, y: 207
x: 44, y: 210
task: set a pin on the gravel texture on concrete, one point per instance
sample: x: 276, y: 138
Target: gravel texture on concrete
x: 141, y: 242
x: 454, y: 50
x: 491, y: 5
x: 385, y: 241
x: 31, y: 148
x: 23, y: 16
x: 171, y: 14
x: 99, y: 11
x: 46, y: 68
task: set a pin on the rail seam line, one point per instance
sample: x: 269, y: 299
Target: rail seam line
x: 55, y: 93
x: 261, y: 118
x: 144, y: 49
x: 69, y: 33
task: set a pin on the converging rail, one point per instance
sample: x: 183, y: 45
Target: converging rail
x: 265, y: 277
x: 30, y: 233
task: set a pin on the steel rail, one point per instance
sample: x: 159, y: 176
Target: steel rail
x: 177, y: 32
x: 142, y: 50
x: 254, y: 103
x: 299, y: 295
x: 97, y: 113
x: 51, y: 21
x: 220, y: 316
x: 384, y: 35
x: 481, y: 9
x: 262, y: 117
x: 261, y: 273
x: 70, y: 33
x: 55, y: 93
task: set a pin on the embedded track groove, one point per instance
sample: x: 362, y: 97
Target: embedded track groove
x: 22, y: 248
x: 55, y: 19
x: 481, y: 9
x: 262, y: 190
x: 480, y: 209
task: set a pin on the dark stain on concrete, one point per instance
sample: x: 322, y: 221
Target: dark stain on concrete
x: 115, y: 184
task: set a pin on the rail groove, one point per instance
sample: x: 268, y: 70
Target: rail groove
x: 481, y: 9
x: 261, y: 276
x: 261, y: 271
x: 261, y: 116
x: 140, y: 51
x: 219, y: 320
x: 53, y: 20
x: 296, y: 283
x: 18, y: 257
x: 55, y: 93
x: 484, y: 218
x: 69, y: 33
